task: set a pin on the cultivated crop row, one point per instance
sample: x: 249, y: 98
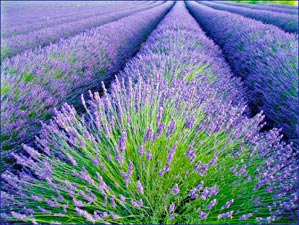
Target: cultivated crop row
x: 284, y: 21
x: 168, y: 144
x: 266, y: 59
x: 33, y: 83
x: 29, y: 12
x: 7, y: 30
x: 46, y: 36
x: 274, y: 8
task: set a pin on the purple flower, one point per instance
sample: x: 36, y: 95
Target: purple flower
x: 200, y: 186
x: 171, y: 128
x: 191, y: 153
x: 44, y: 210
x: 112, y: 202
x: 171, y: 207
x: 21, y: 217
x: 32, y: 152
x: 78, y: 203
x: 225, y: 215
x: 160, y: 129
x: 122, y: 141
x: 173, y: 216
x: 138, y: 204
x: 203, y: 215
x: 141, y: 150
x: 85, y: 214
x: 139, y: 186
x: 211, y: 204
x: 149, y: 134
x: 214, y: 160
x: 114, y: 216
x: 171, y: 153
x: 74, y: 163
x: 246, y: 216
x: 149, y: 155
x: 122, y: 199
x: 175, y: 190
x: 228, y: 204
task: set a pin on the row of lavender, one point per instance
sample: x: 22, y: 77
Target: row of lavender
x: 34, y: 83
x: 43, y: 37
x: 62, y: 16
x: 284, y: 21
x: 18, y: 13
x: 266, y: 59
x: 274, y: 8
x: 165, y: 146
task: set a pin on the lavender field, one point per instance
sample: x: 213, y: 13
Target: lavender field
x: 149, y: 112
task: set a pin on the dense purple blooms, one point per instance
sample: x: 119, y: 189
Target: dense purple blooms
x: 31, y: 17
x: 33, y: 83
x: 284, y: 21
x: 264, y: 56
x: 49, y: 35
x: 45, y: 11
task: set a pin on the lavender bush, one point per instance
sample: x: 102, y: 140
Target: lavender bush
x: 274, y: 8
x: 284, y: 21
x: 46, y: 36
x: 264, y: 56
x: 166, y: 146
x: 33, y: 83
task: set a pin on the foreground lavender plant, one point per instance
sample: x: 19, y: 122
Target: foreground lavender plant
x: 165, y: 148
x: 284, y: 21
x: 264, y: 56
x: 33, y: 83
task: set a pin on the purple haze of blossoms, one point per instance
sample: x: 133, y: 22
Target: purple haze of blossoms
x: 264, y: 56
x: 284, y: 21
x: 34, y: 83
x: 42, y: 17
x: 49, y: 35
x: 38, y: 12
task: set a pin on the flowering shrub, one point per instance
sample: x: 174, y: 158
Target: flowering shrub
x: 264, y: 57
x: 166, y: 146
x: 33, y: 83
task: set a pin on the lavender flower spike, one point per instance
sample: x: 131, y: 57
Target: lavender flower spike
x: 140, y: 188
